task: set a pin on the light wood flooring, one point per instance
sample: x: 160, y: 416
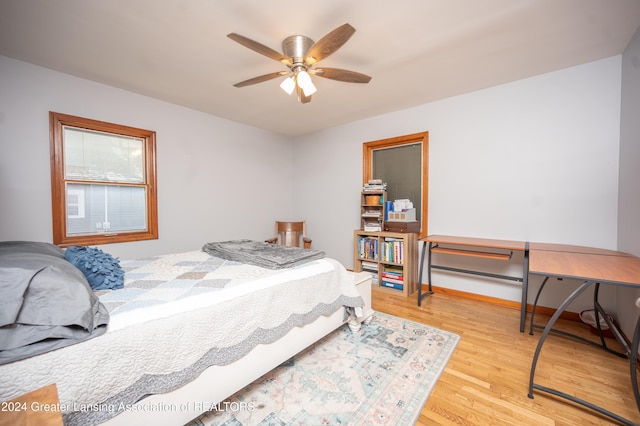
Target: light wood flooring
x: 487, y: 379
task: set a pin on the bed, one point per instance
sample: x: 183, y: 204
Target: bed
x: 187, y: 331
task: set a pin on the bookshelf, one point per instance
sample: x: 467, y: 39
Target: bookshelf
x: 390, y: 257
x: 372, y: 210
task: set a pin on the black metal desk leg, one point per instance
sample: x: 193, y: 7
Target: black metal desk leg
x: 633, y: 357
x: 424, y: 243
x: 424, y: 250
x: 429, y: 268
x: 525, y: 287
x: 535, y: 304
x: 548, y: 328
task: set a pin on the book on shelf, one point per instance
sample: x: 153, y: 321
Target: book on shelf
x: 392, y: 274
x: 393, y: 251
x: 375, y: 185
x: 397, y: 277
x: 372, y: 228
x: 373, y: 214
x: 392, y: 280
x: 369, y: 265
x: 388, y: 284
x: 368, y: 248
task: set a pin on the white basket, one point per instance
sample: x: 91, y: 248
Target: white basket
x: 589, y: 317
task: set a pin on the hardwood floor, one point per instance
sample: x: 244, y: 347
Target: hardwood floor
x: 487, y: 379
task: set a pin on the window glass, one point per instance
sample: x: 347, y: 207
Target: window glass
x: 110, y: 208
x: 100, y: 156
x: 400, y: 167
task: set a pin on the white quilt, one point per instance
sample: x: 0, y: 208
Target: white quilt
x: 177, y: 315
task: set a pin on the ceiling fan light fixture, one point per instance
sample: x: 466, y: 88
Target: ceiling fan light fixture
x: 305, y: 83
x: 309, y: 90
x: 288, y: 84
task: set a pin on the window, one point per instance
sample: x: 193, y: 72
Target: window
x: 403, y: 163
x: 103, y: 182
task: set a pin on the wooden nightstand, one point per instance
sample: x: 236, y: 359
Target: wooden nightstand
x: 39, y: 407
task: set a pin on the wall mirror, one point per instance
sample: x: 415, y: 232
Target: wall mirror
x: 403, y: 163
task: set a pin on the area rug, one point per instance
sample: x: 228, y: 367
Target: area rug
x: 380, y: 376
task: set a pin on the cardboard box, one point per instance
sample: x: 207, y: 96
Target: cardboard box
x: 406, y: 227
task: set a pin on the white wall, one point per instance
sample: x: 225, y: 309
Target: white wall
x: 532, y: 160
x: 209, y: 188
x: 629, y: 203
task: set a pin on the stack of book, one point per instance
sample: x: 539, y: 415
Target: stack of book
x: 375, y: 185
x: 392, y: 277
x: 368, y: 248
x: 393, y: 250
x: 372, y: 269
x: 372, y: 212
x: 372, y: 226
x: 371, y: 220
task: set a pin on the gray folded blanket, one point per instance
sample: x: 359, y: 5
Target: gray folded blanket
x: 261, y: 254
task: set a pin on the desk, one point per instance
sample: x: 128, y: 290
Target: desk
x: 593, y: 267
x: 555, y: 249
x: 434, y: 246
x: 576, y: 249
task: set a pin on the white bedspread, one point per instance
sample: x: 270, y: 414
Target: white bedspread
x: 177, y: 315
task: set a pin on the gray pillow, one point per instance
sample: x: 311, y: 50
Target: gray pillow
x: 35, y: 247
x: 45, y: 303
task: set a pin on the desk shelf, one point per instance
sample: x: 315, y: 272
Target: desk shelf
x: 472, y: 253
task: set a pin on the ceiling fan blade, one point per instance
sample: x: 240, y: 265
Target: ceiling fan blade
x: 329, y: 44
x: 260, y: 48
x: 302, y: 98
x: 261, y: 78
x: 341, y: 75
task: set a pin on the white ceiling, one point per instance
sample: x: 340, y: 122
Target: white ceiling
x: 417, y: 51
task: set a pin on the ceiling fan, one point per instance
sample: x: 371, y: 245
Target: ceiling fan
x: 301, y: 55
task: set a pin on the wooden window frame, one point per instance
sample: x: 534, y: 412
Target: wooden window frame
x: 58, y: 201
x: 367, y: 167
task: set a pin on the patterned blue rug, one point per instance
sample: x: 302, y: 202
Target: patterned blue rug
x: 382, y: 375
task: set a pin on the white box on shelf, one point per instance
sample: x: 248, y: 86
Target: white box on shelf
x: 403, y: 216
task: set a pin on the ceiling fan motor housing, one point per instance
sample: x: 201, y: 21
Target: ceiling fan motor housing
x: 296, y: 47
